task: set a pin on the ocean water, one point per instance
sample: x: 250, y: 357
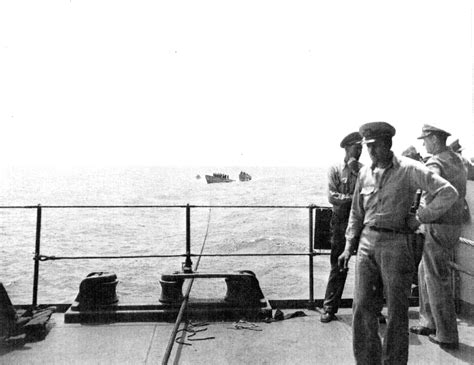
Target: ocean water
x: 73, y: 232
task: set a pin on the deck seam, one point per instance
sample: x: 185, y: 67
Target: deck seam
x: 150, y: 344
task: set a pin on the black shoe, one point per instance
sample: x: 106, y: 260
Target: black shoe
x: 424, y: 331
x: 327, y: 317
x: 444, y: 345
x: 381, y: 318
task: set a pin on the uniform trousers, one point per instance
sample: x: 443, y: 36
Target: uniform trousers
x: 437, y: 310
x: 384, y: 265
x: 337, y: 278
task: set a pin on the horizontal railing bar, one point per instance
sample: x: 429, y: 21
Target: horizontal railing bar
x: 256, y: 254
x: 460, y: 268
x: 91, y: 206
x: 157, y: 206
x: 47, y: 258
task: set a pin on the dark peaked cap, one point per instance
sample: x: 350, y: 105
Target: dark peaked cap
x: 429, y: 129
x: 350, y: 139
x: 375, y: 130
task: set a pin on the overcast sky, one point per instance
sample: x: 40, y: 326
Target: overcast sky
x: 226, y: 82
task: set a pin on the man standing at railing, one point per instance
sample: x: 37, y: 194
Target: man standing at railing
x: 437, y: 311
x: 342, y: 179
x: 380, y: 220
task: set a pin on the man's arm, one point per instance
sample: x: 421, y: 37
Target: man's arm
x: 334, y: 196
x: 354, y: 227
x: 441, y: 195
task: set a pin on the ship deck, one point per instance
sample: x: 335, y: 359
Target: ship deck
x: 298, y: 340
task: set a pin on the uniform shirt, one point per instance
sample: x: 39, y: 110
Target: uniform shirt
x: 469, y: 166
x: 341, y: 183
x: 382, y: 198
x: 451, y: 167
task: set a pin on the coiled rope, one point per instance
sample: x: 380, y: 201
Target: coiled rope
x: 185, y: 301
x: 190, y: 330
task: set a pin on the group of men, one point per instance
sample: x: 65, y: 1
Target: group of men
x: 375, y: 214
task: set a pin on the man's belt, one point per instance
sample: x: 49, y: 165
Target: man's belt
x: 389, y: 230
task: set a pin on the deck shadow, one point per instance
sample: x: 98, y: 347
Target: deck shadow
x: 464, y: 353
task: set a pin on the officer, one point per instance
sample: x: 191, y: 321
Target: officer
x: 380, y: 220
x: 342, y: 179
x: 437, y: 311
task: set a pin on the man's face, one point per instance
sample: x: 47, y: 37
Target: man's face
x: 428, y: 142
x: 379, y: 151
x: 355, y: 151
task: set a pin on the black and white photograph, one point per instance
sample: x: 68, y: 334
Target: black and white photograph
x: 236, y: 182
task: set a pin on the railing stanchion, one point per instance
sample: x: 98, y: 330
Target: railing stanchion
x: 188, y: 265
x: 311, y: 247
x: 37, y: 255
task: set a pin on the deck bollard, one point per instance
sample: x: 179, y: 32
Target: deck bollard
x: 243, y: 290
x: 97, y: 289
x: 171, y: 289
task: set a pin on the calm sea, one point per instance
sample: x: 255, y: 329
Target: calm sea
x: 149, y: 231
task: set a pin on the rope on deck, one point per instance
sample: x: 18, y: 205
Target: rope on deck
x: 184, y: 304
x: 192, y: 329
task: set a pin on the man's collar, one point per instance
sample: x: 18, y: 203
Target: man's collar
x: 441, y: 149
x: 393, y: 162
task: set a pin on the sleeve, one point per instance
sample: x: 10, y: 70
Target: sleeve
x: 335, y: 197
x: 433, y: 166
x: 470, y: 168
x: 439, y: 194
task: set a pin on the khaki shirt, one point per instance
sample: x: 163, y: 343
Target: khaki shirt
x: 383, y: 198
x: 451, y: 167
x: 469, y: 166
x: 341, y: 184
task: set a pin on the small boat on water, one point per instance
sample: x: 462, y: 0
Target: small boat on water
x: 243, y: 176
x: 218, y: 178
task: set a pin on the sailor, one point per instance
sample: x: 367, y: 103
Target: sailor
x: 342, y: 179
x: 437, y: 311
x: 380, y: 221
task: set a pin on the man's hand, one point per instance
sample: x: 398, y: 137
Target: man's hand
x: 353, y: 164
x: 343, y: 260
x: 412, y: 222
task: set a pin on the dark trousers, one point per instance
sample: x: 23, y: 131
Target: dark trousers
x: 337, y: 278
x: 417, y: 240
x: 384, y: 264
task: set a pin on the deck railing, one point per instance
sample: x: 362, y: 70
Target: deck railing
x: 188, y: 255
